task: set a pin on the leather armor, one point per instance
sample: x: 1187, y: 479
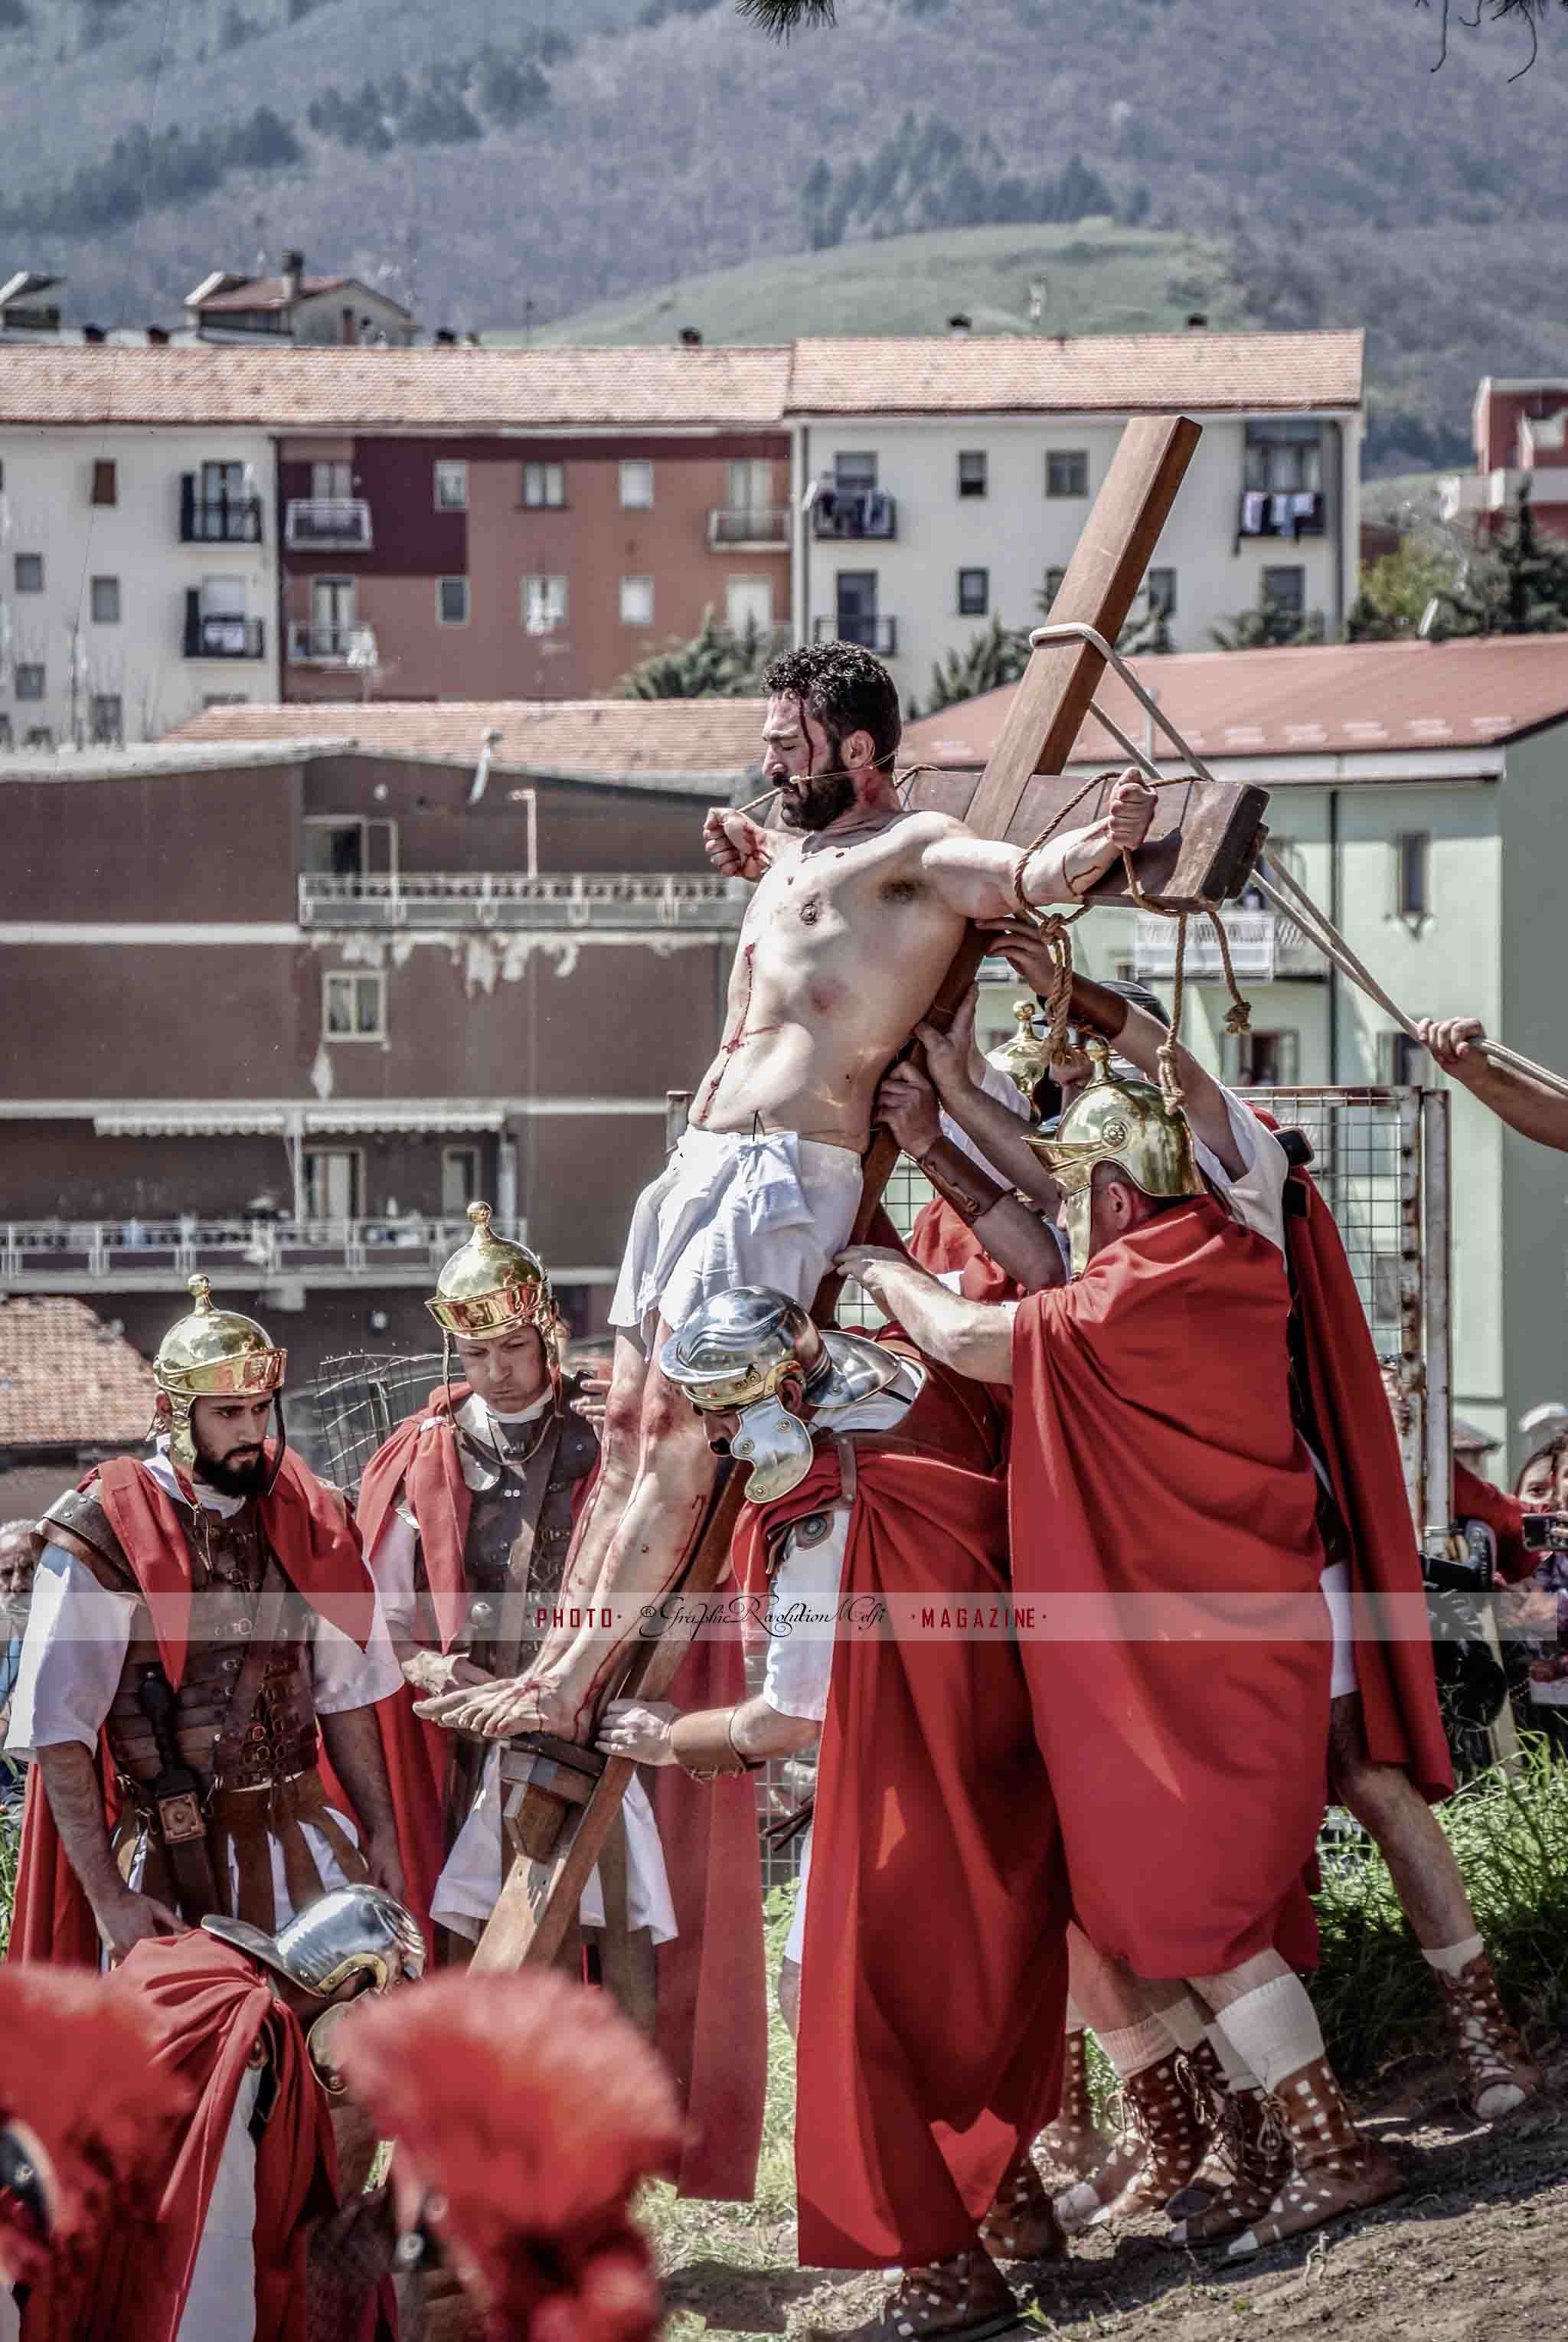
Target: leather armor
x: 494, y: 1521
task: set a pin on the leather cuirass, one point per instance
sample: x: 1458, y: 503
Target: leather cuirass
x: 494, y: 1519
x: 227, y: 1560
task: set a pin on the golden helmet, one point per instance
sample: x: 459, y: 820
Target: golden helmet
x: 1127, y: 1122
x: 213, y: 1354
x: 491, y: 1288
x: 1023, y: 1057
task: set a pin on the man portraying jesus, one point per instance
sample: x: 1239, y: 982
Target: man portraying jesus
x: 859, y: 906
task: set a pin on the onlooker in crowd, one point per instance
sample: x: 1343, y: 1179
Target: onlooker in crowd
x: 1521, y: 1101
x: 17, y: 1559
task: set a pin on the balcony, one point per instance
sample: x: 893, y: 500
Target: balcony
x: 158, y: 1256
x: 1287, y: 513
x: 1463, y: 494
x: 328, y: 524
x: 1265, y: 948
x: 213, y: 634
x: 311, y: 646
x: 699, y: 904
x: 218, y: 520
x: 749, y: 528
x: 851, y: 513
x: 870, y: 634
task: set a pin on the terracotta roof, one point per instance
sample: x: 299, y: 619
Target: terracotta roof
x: 1346, y: 698
x: 270, y: 293
x: 604, y: 739
x: 1115, y: 373
x: 65, y: 1378
x: 461, y: 390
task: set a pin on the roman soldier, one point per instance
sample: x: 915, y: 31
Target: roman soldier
x: 467, y: 1513
x: 202, y: 1622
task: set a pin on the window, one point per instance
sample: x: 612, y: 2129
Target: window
x: 971, y: 472
x: 452, y: 601
x: 1067, y: 472
x: 105, y: 601
x: 334, y: 849
x: 107, y: 716
x: 973, y: 593
x: 1284, y: 456
x: 854, y: 471
x: 544, y: 604
x: 1266, y: 1060
x: 330, y: 482
x: 451, y: 488
x: 1399, y: 1060
x: 30, y: 682
x: 1286, y: 588
x: 636, y: 601
x: 749, y: 607
x: 334, y: 1182
x: 29, y: 573
x: 459, y: 1180
x: 751, y: 482
x: 1051, y: 584
x: 105, y: 490
x: 1162, y: 593
x: 544, y: 485
x: 1411, y: 874
x: 637, y: 485
x: 353, y: 1006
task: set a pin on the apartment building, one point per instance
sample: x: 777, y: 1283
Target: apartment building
x: 1520, y: 433
x: 1416, y: 792
x: 314, y: 310
x: 945, y: 481
x: 314, y: 987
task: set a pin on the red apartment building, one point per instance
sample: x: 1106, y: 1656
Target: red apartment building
x: 289, y: 993
x: 1519, y: 432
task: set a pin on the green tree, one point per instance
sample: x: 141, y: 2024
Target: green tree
x: 1517, y: 585
x: 716, y: 664
x: 1394, y: 594
x: 1270, y: 627
x: 995, y: 655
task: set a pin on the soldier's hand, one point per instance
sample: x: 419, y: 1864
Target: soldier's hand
x: 638, y: 1729
x: 593, y: 1394
x: 907, y: 1103
x: 734, y: 844
x: 871, y: 1266
x: 384, y: 1862
x: 1449, y: 1042
x: 948, y: 1055
x: 131, y: 1919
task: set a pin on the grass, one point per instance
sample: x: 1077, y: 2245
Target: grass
x: 1099, y: 278
x: 10, y: 1840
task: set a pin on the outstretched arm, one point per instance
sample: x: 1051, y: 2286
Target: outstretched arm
x: 1001, y: 1225
x: 973, y: 1338
x: 1517, y: 1100
x: 985, y: 1122
x: 981, y: 878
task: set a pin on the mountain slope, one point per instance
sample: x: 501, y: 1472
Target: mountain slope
x: 1351, y: 182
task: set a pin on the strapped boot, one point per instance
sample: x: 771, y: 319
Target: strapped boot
x: 1072, y: 2144
x: 1499, y: 2072
x: 1253, y: 2158
x: 1157, y: 2153
x: 1207, y: 2079
x: 1336, y: 2170
x: 1022, y: 2224
x: 965, y: 2296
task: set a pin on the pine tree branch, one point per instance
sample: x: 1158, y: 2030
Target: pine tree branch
x: 780, y: 19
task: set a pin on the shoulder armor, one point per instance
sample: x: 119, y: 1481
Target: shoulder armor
x: 77, y: 1522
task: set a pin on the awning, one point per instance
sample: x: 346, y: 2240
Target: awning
x: 193, y: 1122
x: 348, y: 1121
x: 404, y: 1117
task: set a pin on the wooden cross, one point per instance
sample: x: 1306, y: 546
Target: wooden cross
x: 1199, y: 850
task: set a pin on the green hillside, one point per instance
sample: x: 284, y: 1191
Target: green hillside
x: 1097, y: 278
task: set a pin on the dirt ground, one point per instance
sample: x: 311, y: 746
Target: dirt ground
x: 1476, y: 2247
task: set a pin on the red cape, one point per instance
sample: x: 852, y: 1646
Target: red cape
x: 1153, y: 1454
x: 943, y: 1242
x: 1394, y: 1675
x: 934, y: 1977
x: 318, y: 1548
x: 207, y: 2004
x: 711, y: 2017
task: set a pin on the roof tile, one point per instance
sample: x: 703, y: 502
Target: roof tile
x: 607, y: 737
x: 1082, y: 374
x: 67, y: 1377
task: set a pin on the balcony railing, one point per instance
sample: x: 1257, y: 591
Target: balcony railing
x: 218, y: 520
x: 844, y: 511
x: 1289, y: 513
x: 64, y: 1256
x: 327, y: 523
x: 507, y: 898
x: 1264, y: 947
x: 854, y: 626
x: 211, y: 634
x: 750, y: 527
x: 311, y: 646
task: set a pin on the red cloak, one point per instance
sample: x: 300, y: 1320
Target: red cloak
x: 711, y: 2012
x: 318, y: 1548
x: 1393, y: 1672
x: 1157, y: 1477
x: 934, y: 1977
x: 207, y: 2004
x: 943, y: 1242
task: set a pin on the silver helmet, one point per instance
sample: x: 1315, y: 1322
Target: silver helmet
x: 349, y: 1931
x: 739, y: 1351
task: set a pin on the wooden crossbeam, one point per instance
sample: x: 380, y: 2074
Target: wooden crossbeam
x: 539, y: 1901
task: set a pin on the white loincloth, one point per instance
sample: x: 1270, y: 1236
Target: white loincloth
x: 222, y: 2289
x: 729, y: 1210
x: 1336, y: 1585
x: 469, y: 1886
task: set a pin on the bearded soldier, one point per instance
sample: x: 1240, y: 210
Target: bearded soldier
x: 467, y: 1513
x: 201, y: 1621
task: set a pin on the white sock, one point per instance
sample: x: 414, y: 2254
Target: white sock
x: 1136, y: 2047
x: 1275, y: 2028
x: 1239, y: 2074
x: 1076, y: 2022
x: 1183, y: 2021
x: 1451, y: 1958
